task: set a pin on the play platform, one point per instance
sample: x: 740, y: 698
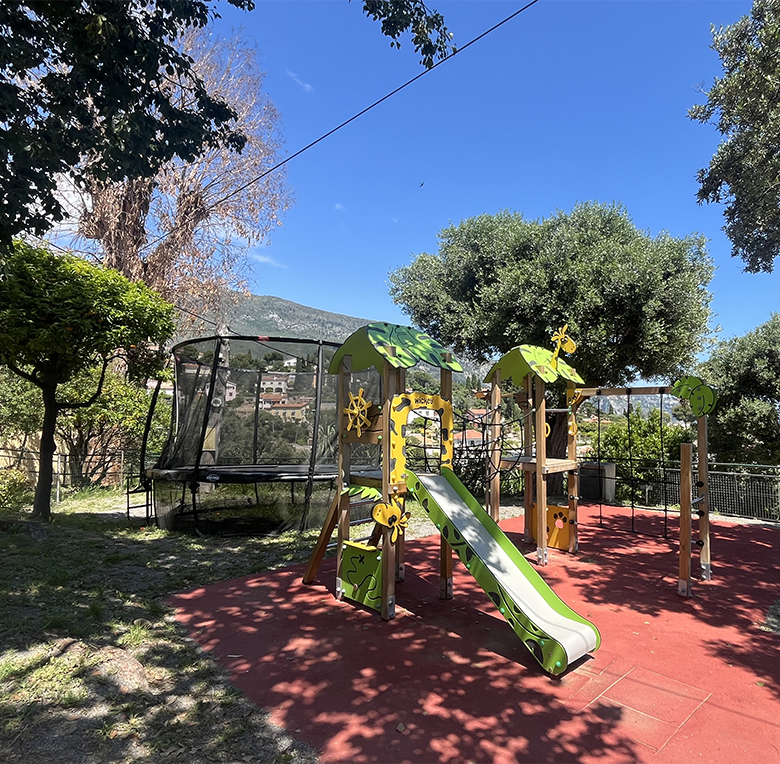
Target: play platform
x: 675, y: 679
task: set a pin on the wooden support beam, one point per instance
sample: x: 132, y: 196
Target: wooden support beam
x: 322, y: 540
x: 586, y: 392
x: 572, y: 479
x: 528, y: 481
x: 344, y: 464
x: 388, y: 576
x: 541, y: 478
x: 684, y: 579
x: 391, y: 556
x: 703, y: 491
x: 445, y: 550
x: 343, y: 536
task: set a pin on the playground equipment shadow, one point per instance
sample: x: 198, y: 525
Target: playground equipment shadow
x: 676, y: 680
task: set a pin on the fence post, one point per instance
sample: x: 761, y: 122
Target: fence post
x: 59, y: 478
x: 684, y: 580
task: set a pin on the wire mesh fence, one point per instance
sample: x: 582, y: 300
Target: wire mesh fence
x: 99, y: 468
x: 739, y: 490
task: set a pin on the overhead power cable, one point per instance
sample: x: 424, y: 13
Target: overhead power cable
x: 414, y: 79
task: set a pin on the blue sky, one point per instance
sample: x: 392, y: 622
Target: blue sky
x: 571, y: 101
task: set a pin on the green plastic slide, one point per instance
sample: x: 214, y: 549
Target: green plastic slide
x: 555, y: 635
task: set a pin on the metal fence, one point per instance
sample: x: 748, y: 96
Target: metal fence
x: 739, y: 490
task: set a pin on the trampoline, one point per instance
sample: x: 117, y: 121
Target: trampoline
x: 248, y: 411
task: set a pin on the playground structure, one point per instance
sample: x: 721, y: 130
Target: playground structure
x: 531, y: 368
x: 246, y: 411
x: 229, y: 391
x: 368, y: 569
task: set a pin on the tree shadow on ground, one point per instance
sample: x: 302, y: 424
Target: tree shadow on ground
x: 422, y: 688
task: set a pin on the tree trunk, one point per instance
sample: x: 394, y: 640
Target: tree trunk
x: 42, y: 502
x: 557, y: 449
x: 78, y: 452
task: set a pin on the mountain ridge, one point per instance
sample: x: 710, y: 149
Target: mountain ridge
x: 266, y: 315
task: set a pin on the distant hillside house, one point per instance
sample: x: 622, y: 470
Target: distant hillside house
x: 269, y: 400
x: 478, y: 415
x: 276, y: 381
x: 290, y: 412
x: 467, y: 438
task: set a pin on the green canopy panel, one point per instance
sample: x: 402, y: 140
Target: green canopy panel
x: 531, y: 359
x: 400, y: 346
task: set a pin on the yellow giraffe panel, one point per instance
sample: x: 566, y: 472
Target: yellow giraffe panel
x: 400, y: 409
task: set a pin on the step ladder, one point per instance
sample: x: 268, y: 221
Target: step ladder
x: 139, y: 487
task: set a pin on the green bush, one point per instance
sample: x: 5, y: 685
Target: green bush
x: 15, y: 489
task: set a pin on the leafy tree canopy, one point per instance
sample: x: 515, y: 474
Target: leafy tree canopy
x: 59, y: 316
x: 96, y: 436
x: 20, y: 407
x: 744, y: 105
x: 745, y: 372
x: 89, y: 84
x: 429, y: 34
x: 638, y: 306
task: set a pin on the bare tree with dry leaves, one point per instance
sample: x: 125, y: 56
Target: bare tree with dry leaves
x: 187, y: 231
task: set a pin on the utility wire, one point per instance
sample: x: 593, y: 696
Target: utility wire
x: 351, y: 119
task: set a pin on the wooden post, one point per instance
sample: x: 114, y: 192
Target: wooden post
x: 323, y: 540
x: 445, y: 550
x: 572, y: 480
x: 494, y: 482
x: 345, y: 468
x: 389, y: 570
x: 59, y: 481
x: 388, y: 576
x: 528, y: 440
x: 541, y: 478
x: 684, y: 580
x: 703, y: 505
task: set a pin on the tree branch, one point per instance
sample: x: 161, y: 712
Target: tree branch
x: 70, y: 406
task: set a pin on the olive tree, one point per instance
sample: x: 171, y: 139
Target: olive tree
x: 637, y: 305
x: 744, y: 105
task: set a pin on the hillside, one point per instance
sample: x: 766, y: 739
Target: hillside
x: 273, y: 316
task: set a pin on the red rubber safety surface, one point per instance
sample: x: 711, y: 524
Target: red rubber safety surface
x: 675, y: 680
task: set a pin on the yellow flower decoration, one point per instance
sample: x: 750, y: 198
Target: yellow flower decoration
x: 391, y: 517
x: 357, y: 412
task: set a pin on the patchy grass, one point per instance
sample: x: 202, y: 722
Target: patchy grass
x: 93, y: 667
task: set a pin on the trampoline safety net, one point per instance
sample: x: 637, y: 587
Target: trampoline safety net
x: 250, y: 410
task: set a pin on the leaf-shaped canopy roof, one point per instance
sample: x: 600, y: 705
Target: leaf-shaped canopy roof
x: 400, y: 346
x: 525, y: 359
